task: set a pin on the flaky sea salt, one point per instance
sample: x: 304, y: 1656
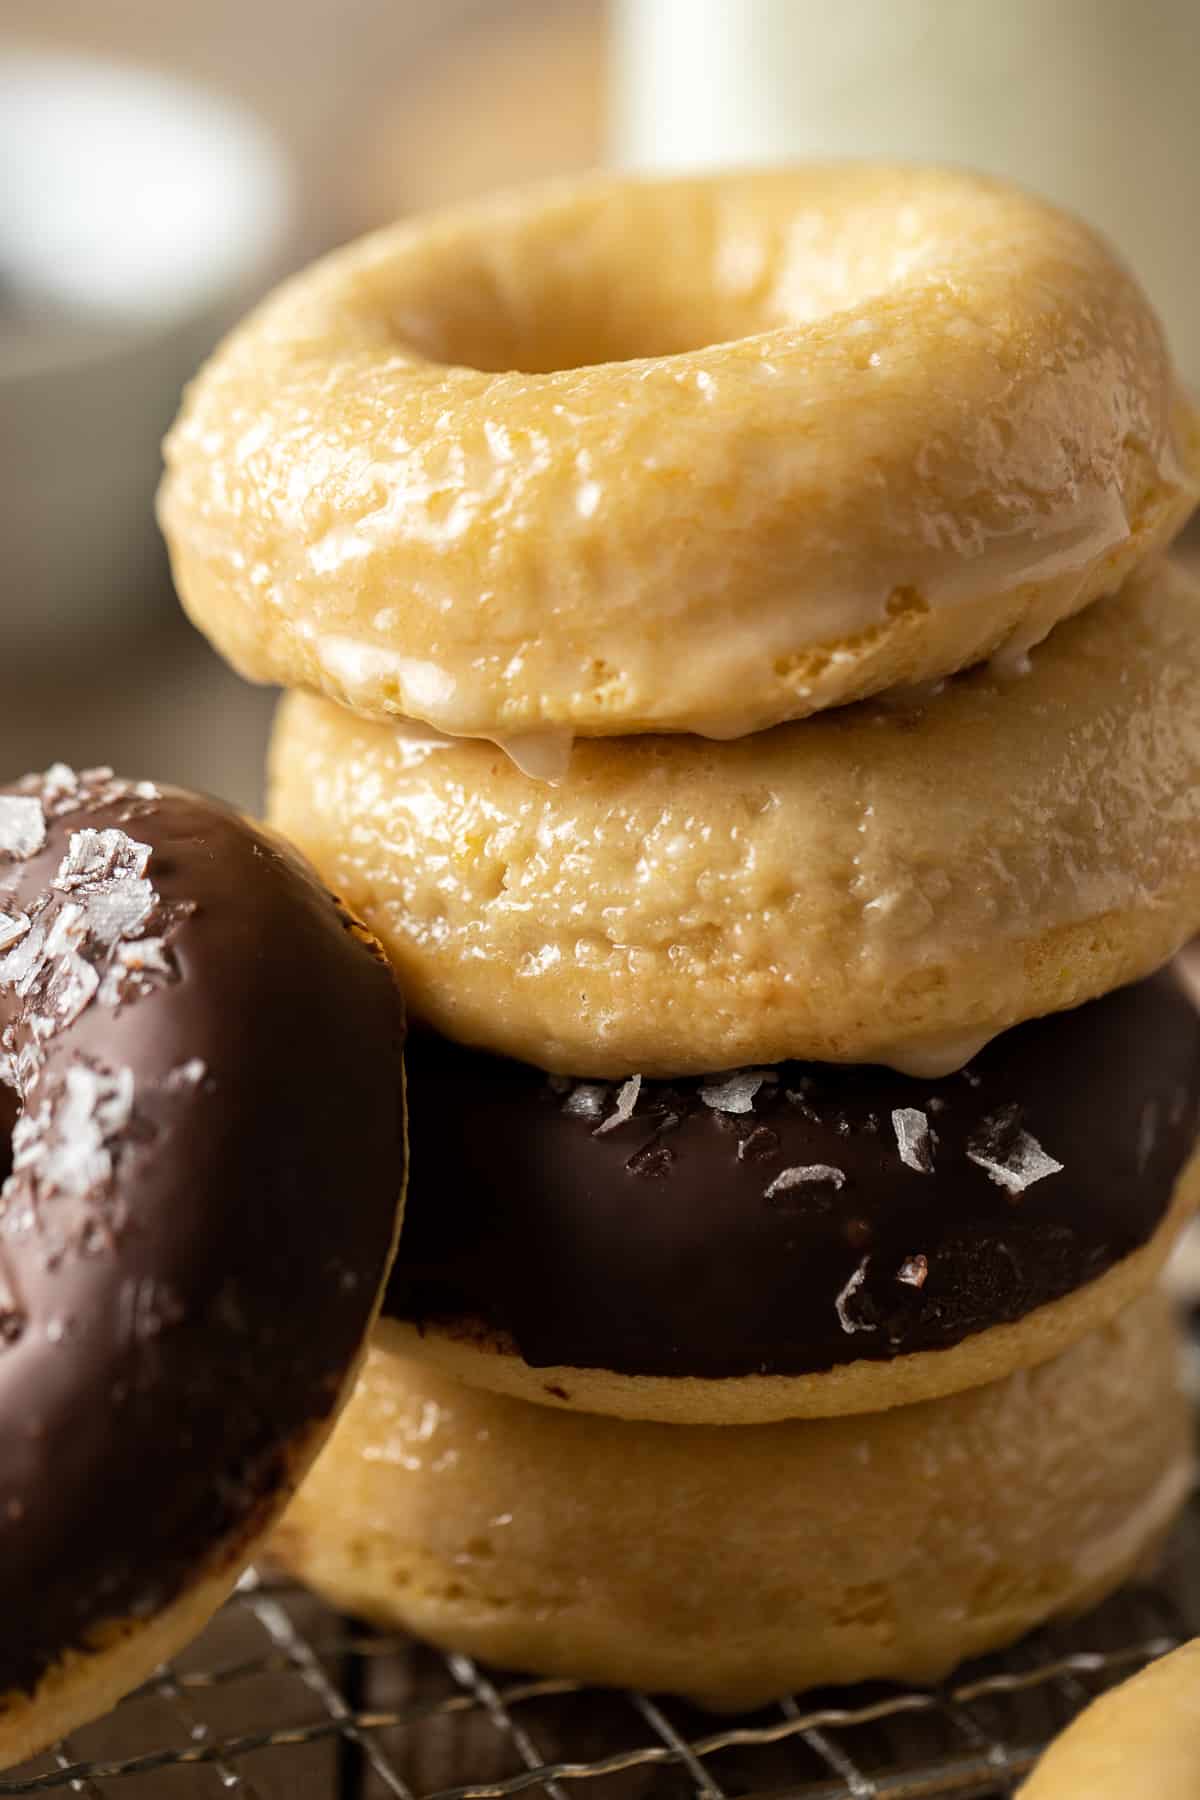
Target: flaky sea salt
x: 133, y: 968
x: 19, y: 967
x: 187, y: 1075
x: 13, y: 927
x: 586, y: 1100
x: 22, y: 826
x: 758, y: 1144
x: 735, y: 1094
x: 67, y: 992
x: 627, y: 1095
x: 803, y: 1175
x: 842, y: 1303
x: 62, y: 1145
x: 59, y: 781
x: 1012, y: 1158
x: 94, y: 857
x: 61, y: 790
x: 914, y: 1140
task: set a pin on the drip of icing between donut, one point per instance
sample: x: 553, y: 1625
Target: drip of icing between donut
x: 542, y: 755
x: 929, y: 1058
x: 947, y: 576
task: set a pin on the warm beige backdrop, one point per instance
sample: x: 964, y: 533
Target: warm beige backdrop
x: 386, y: 105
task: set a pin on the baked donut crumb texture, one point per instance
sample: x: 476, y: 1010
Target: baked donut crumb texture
x: 734, y: 1564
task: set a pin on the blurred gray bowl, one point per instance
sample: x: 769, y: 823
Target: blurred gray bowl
x: 138, y: 216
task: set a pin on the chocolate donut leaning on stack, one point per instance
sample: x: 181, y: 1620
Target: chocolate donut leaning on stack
x: 202, y: 1157
x: 803, y: 1104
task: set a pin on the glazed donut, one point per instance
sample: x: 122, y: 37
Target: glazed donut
x: 884, y: 883
x: 688, y: 455
x: 798, y: 1241
x: 1140, y: 1741
x: 202, y: 1066
x: 733, y: 1564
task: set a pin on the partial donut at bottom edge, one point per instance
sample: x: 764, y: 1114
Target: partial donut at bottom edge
x: 1139, y: 1741
x: 734, y: 1565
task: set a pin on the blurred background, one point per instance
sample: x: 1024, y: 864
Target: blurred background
x: 163, y: 161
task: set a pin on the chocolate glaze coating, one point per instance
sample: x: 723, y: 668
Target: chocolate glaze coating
x: 202, y: 1201
x: 668, y: 1245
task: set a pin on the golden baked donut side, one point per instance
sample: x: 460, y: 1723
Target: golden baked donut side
x: 686, y: 455
x: 887, y: 883
x: 734, y: 1564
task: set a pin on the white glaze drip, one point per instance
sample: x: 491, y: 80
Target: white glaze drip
x: 542, y: 755
x: 930, y: 1058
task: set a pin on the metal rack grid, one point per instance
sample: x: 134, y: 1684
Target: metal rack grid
x: 282, y: 1700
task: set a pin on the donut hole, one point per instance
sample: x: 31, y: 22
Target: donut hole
x: 547, y: 292
x: 562, y: 324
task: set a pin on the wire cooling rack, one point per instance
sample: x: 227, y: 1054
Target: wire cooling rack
x: 283, y: 1700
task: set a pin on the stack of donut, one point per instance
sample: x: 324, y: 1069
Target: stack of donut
x: 739, y: 679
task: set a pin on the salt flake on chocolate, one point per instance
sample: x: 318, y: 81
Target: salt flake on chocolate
x: 19, y: 968
x: 842, y: 1303
x: 68, y: 991
x: 13, y: 927
x: 119, y: 910
x: 802, y: 1174
x: 95, y: 857
x: 105, y: 873
x: 187, y: 1075
x: 586, y: 1101
x: 626, y: 1101
x: 82, y: 938
x: 22, y: 826
x: 736, y: 1093
x: 1012, y: 1158
x: 913, y: 1271
x: 61, y: 790
x: 63, y: 1146
x: 59, y: 779
x: 134, y: 968
x: 914, y: 1140
x: 107, y: 870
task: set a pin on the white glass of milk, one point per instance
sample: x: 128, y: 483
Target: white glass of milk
x: 1094, y: 103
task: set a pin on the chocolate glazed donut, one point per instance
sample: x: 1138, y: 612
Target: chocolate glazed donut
x: 205, y: 1107
x: 785, y: 1221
